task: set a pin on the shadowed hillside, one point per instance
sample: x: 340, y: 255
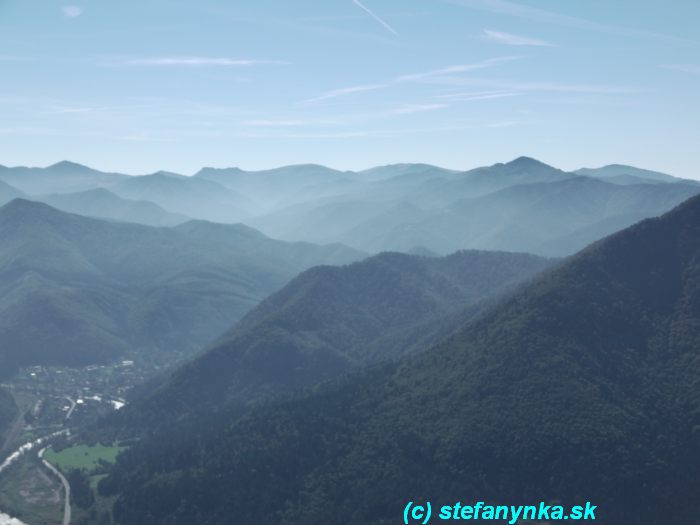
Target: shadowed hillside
x: 333, y: 320
x: 76, y: 290
x: 582, y: 387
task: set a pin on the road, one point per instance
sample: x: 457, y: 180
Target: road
x: 72, y: 407
x: 66, y: 487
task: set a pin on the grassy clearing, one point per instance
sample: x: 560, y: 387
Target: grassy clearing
x: 82, y: 457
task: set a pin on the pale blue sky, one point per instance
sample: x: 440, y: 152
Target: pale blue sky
x: 137, y: 86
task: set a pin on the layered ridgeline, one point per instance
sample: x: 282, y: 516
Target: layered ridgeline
x: 332, y: 320
x: 64, y: 184
x: 75, y: 290
x: 621, y: 174
x: 522, y: 205
x: 581, y: 387
x: 63, y: 177
x: 196, y: 198
x: 8, y: 193
x: 104, y: 204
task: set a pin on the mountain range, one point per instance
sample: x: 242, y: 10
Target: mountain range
x: 580, y: 386
x: 76, y: 290
x: 399, y: 207
x: 523, y: 205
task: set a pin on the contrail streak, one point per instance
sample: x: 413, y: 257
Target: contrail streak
x: 373, y: 15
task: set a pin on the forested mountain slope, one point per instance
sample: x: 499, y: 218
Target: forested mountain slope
x: 75, y: 290
x: 333, y: 320
x: 581, y: 387
x: 8, y: 413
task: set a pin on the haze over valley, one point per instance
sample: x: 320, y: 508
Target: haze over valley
x: 359, y: 262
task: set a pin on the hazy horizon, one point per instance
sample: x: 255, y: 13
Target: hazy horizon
x: 336, y: 168
x: 146, y: 86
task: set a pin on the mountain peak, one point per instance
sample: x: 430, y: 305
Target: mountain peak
x: 23, y: 208
x: 527, y: 162
x: 66, y: 165
x: 209, y: 170
x: 23, y: 204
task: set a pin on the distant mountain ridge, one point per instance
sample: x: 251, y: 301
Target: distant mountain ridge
x: 332, y: 320
x: 388, y: 208
x: 185, y: 195
x: 9, y: 193
x: 103, y: 204
x: 76, y: 290
x: 62, y: 177
x: 617, y: 171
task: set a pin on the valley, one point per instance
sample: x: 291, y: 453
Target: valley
x: 53, y: 402
x: 358, y: 262
x: 202, y: 362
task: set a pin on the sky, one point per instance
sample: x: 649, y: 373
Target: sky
x: 147, y: 85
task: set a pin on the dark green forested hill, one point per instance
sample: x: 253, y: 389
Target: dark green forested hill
x: 8, y: 412
x: 75, y: 290
x: 582, y: 387
x: 332, y: 320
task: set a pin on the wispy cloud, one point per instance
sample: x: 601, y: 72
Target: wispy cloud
x: 375, y: 16
x: 195, y: 61
x: 141, y: 137
x: 275, y: 123
x: 477, y: 95
x: 27, y: 131
x: 71, y: 11
x: 335, y: 93
x: 452, y: 70
x: 552, y: 87
x: 504, y: 124
x: 693, y: 69
x: 506, y: 7
x: 413, y: 77
x: 74, y: 109
x: 514, y: 40
x: 408, y: 109
x: 345, y: 119
x: 555, y: 87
